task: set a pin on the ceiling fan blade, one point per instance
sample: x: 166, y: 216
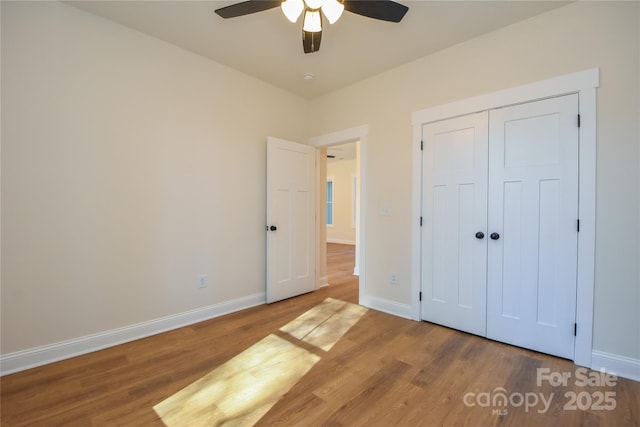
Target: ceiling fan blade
x: 384, y: 10
x: 311, y: 41
x: 247, y: 8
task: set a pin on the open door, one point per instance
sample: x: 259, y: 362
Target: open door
x: 291, y: 226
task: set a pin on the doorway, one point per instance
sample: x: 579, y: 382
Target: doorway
x: 340, y: 262
x: 325, y: 142
x: 341, y: 196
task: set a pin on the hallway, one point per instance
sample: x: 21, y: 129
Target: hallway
x: 340, y: 264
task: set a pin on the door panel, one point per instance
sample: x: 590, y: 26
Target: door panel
x: 533, y: 206
x: 291, y: 210
x: 511, y: 236
x: 454, y: 209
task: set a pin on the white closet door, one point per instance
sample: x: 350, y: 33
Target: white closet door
x: 533, y: 211
x: 454, y: 209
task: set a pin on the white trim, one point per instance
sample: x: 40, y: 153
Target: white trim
x: 584, y: 83
x: 621, y: 366
x: 358, y: 133
x: 342, y: 136
x: 416, y: 231
x: 30, y: 358
x: 387, y: 306
x: 341, y: 241
x: 323, y: 281
x: 557, y: 86
x: 587, y: 235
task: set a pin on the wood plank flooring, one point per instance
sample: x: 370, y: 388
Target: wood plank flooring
x: 385, y: 371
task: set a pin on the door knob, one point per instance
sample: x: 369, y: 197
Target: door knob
x: 273, y: 228
x: 480, y: 235
x: 494, y: 236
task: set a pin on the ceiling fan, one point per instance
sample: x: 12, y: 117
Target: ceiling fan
x: 384, y: 10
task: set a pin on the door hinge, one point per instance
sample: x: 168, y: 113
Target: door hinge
x: 421, y: 145
x: 420, y: 296
x: 578, y: 226
x: 575, y: 329
x: 420, y: 221
x: 578, y: 120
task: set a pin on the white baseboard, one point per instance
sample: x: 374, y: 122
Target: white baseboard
x: 323, y: 281
x: 30, y: 358
x: 621, y: 366
x: 387, y: 306
x: 341, y: 241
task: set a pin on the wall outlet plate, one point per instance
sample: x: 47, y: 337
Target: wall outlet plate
x: 202, y: 281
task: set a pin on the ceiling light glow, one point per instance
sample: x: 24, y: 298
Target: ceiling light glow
x: 312, y: 21
x: 332, y: 9
x: 314, y: 4
x: 292, y: 9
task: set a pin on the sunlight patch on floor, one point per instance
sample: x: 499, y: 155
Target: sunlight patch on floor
x: 325, y: 324
x: 243, y: 389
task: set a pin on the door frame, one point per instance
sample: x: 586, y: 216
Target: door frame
x: 584, y: 83
x: 358, y: 133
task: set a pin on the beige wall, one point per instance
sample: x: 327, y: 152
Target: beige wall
x: 343, y: 229
x: 118, y: 151
x: 577, y: 37
x: 129, y: 167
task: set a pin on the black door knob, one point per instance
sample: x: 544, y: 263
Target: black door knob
x: 494, y: 236
x: 480, y: 235
x: 273, y: 228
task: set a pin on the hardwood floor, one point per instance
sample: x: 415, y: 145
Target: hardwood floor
x: 341, y: 260
x: 384, y: 371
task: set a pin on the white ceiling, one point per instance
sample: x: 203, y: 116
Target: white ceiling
x: 267, y: 46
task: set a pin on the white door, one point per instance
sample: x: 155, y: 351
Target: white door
x: 499, y: 235
x: 291, y: 212
x: 533, y: 211
x: 454, y: 211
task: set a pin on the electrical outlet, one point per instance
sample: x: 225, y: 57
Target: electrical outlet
x: 202, y: 281
x: 394, y: 278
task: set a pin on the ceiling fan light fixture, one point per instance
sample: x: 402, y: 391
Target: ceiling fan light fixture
x: 332, y: 9
x: 312, y: 21
x: 383, y: 10
x: 314, y: 4
x: 292, y: 9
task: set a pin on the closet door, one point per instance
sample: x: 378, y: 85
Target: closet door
x: 533, y: 212
x: 454, y: 209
